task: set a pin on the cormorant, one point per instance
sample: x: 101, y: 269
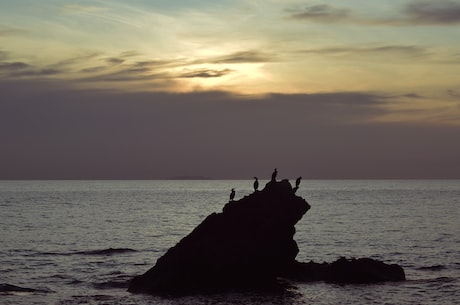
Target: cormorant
x: 275, y: 172
x: 232, y: 194
x: 297, y: 181
x: 256, y: 184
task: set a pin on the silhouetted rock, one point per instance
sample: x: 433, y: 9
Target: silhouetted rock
x: 346, y: 271
x: 248, y: 246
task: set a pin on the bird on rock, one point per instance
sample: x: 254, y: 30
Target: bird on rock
x: 256, y: 184
x: 232, y: 194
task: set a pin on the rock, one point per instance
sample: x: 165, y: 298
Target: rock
x: 346, y: 271
x: 249, y: 246
x: 245, y: 246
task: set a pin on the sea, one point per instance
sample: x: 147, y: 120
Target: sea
x: 80, y: 242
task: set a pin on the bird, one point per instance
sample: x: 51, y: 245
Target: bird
x: 232, y: 194
x: 256, y: 184
x: 275, y: 172
x: 297, y: 181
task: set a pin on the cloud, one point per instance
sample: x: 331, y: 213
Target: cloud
x: 82, y: 57
x: 93, y: 69
x: 115, y: 60
x: 130, y: 53
x: 124, y: 74
x: 35, y: 73
x: 414, y: 13
x: 129, y: 66
x: 21, y: 69
x: 393, y: 50
x: 240, y: 57
x: 161, y: 63
x: 407, y: 95
x: 205, y: 73
x: 433, y: 12
x: 13, y: 66
x: 10, y: 31
x: 453, y: 93
x: 87, y: 9
x: 50, y: 132
x: 413, y: 95
x: 3, y: 55
x: 87, y: 62
x: 322, y: 13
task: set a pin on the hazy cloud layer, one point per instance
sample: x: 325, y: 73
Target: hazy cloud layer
x: 65, y: 133
x: 413, y: 13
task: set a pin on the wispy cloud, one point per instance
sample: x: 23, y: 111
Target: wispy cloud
x: 22, y: 69
x: 77, y: 8
x: 13, y: 66
x: 406, y: 95
x: 433, y: 12
x: 115, y: 60
x: 93, y: 69
x: 133, y: 66
x: 394, y: 50
x: 76, y: 60
x: 3, y: 55
x: 10, y: 31
x: 242, y: 57
x: 112, y: 13
x: 414, y: 13
x: 205, y: 73
x: 125, y: 74
x: 34, y: 72
x: 454, y: 93
x: 322, y: 13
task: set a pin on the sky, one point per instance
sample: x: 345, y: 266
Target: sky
x: 229, y: 89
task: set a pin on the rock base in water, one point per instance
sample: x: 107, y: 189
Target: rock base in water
x: 346, y: 271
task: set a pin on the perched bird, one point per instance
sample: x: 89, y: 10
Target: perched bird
x: 232, y: 194
x: 275, y: 172
x: 256, y: 184
x: 297, y: 181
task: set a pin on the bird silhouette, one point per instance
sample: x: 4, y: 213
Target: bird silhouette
x: 275, y: 172
x: 256, y: 184
x: 297, y: 181
x: 232, y: 194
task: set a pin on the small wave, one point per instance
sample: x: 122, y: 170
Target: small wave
x: 119, y: 284
x: 120, y: 281
x: 109, y: 251
x: 8, y: 288
x: 431, y: 281
x: 433, y: 268
x: 67, y: 279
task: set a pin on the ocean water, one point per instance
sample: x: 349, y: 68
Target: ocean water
x: 80, y: 242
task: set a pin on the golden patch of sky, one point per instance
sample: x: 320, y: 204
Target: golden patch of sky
x: 405, y: 49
